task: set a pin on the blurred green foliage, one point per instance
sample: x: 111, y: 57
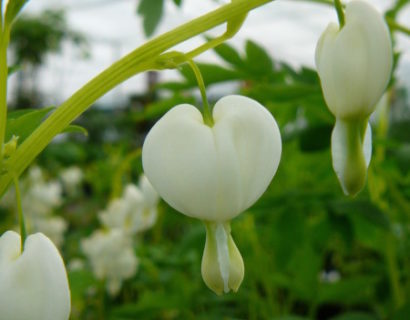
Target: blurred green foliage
x: 309, y: 251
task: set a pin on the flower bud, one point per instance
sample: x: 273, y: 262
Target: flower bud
x: 213, y: 173
x: 222, y: 265
x: 355, y: 63
x: 33, y: 284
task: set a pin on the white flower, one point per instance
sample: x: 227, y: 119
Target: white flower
x: 354, y: 65
x: 111, y: 256
x: 52, y: 227
x: 39, y: 197
x: 136, y: 211
x: 213, y: 173
x: 33, y: 284
x: 71, y: 178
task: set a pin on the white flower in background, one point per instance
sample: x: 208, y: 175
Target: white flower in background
x: 39, y: 197
x: 354, y: 65
x: 136, y: 211
x: 71, y: 178
x: 33, y: 284
x: 52, y: 227
x: 331, y: 276
x: 214, y: 173
x: 111, y: 256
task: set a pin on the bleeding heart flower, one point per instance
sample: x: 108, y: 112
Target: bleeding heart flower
x: 214, y: 173
x: 33, y: 284
x: 354, y: 65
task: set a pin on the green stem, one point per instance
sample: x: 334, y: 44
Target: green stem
x: 117, y: 181
x: 141, y: 59
x: 23, y: 232
x: 340, y: 13
x: 393, y: 271
x: 3, y: 88
x: 393, y: 25
x: 207, y: 115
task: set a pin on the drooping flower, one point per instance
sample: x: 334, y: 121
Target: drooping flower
x: 33, y: 283
x: 214, y: 173
x: 354, y: 65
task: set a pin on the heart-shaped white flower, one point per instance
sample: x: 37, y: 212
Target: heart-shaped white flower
x: 213, y: 173
x: 33, y: 284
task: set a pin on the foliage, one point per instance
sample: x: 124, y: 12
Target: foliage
x: 309, y: 252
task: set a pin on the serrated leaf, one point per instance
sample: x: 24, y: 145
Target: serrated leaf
x: 12, y: 10
x: 151, y: 12
x: 23, y: 122
x: 75, y: 129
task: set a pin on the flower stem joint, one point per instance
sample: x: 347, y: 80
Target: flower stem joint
x: 354, y: 64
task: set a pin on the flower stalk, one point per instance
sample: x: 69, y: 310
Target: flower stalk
x: 140, y: 60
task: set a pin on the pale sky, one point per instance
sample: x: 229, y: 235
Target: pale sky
x: 288, y: 29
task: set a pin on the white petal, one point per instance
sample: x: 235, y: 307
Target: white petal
x: 213, y: 173
x: 33, y: 285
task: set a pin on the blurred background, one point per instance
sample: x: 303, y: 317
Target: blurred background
x: 309, y: 251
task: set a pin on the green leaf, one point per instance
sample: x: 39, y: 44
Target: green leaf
x: 151, y: 12
x: 357, y: 289
x: 365, y: 211
x: 23, y: 122
x: 229, y: 54
x: 12, y: 10
x: 315, y: 138
x: 178, y: 2
x: 12, y: 69
x: 257, y: 59
x: 211, y: 74
x: 355, y: 316
x: 75, y: 129
x: 282, y: 92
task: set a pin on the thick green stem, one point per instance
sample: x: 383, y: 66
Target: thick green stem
x: 207, y: 115
x: 23, y: 233
x: 141, y: 59
x: 340, y: 13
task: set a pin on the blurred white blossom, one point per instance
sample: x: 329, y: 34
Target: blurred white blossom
x: 39, y: 199
x: 111, y: 255
x: 53, y: 227
x: 135, y: 211
x: 71, y: 178
x: 331, y: 276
